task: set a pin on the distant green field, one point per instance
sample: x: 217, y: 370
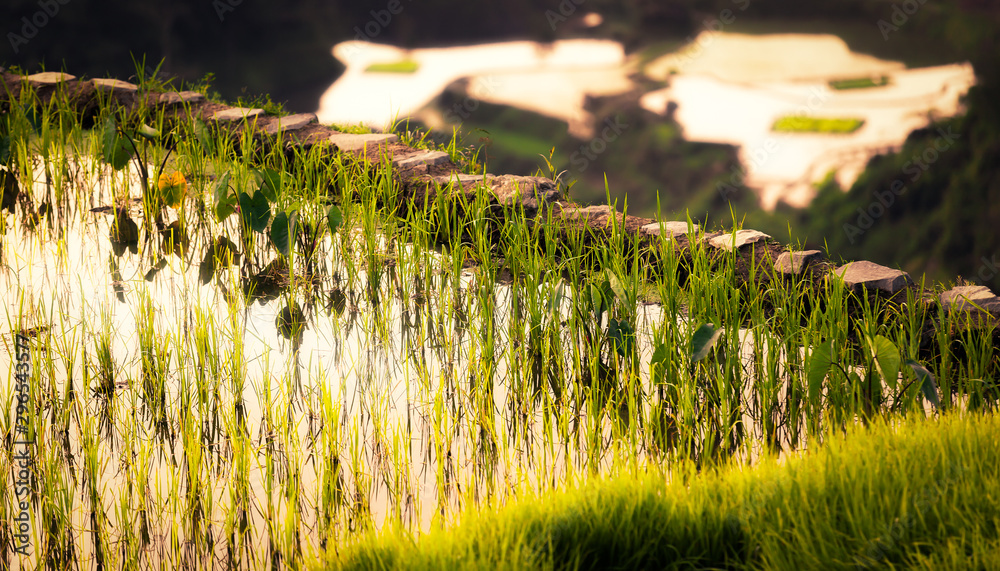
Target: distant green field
x: 860, y: 83
x: 401, y: 66
x: 797, y: 124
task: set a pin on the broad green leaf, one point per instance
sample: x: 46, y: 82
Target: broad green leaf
x: 173, y: 188
x: 225, y: 201
x: 34, y: 117
x: 616, y: 286
x: 116, y: 148
x: 819, y: 366
x: 601, y: 296
x: 703, y: 340
x: 207, y: 268
x: 283, y: 231
x: 927, y: 383
x: 254, y: 211
x: 270, y: 184
x: 149, y: 133
x: 886, y: 359
x: 5, y: 146
x: 555, y: 298
x: 203, y: 135
x: 657, y: 362
x: 290, y: 321
x: 622, y: 336
x: 334, y: 218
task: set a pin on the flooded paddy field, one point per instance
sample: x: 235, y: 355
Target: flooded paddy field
x: 232, y: 359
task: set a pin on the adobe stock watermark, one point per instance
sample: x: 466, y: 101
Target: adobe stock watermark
x: 988, y: 270
x: 31, y: 25
x: 900, y: 16
x: 380, y: 21
x: 223, y: 7
x: 566, y: 9
x: 588, y: 152
x: 462, y: 110
x: 918, y: 164
x: 22, y: 462
x: 712, y: 26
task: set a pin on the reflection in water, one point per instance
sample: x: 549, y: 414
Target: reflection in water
x: 219, y: 409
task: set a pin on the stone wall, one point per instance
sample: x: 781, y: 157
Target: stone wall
x: 421, y: 172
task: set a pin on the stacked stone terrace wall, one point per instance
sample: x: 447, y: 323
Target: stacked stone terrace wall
x: 423, y: 172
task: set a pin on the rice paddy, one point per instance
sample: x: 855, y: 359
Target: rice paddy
x: 232, y: 355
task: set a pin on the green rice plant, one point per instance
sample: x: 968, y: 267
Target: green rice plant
x: 459, y: 353
x: 94, y: 470
x: 908, y: 487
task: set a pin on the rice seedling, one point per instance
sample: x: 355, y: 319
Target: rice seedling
x: 295, y: 347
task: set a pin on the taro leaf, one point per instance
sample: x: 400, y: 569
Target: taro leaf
x: 282, y: 229
x: 819, y: 365
x: 116, y: 149
x: 616, y: 285
x: 33, y: 117
x: 927, y: 384
x: 290, y: 321
x: 334, y: 218
x: 338, y: 301
x: 886, y: 359
x: 225, y: 251
x: 149, y: 133
x: 225, y: 201
x: 657, y: 364
x: 5, y: 145
x: 162, y: 263
x: 203, y: 135
x: 207, y: 268
x: 622, y: 336
x: 556, y: 296
x: 270, y: 184
x: 173, y: 188
x: 601, y: 296
x: 255, y: 211
x: 703, y: 340
x: 9, y: 190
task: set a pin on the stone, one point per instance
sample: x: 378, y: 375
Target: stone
x: 424, y: 158
x: 105, y: 84
x: 530, y: 191
x: 730, y: 242
x: 794, y: 263
x: 587, y: 212
x: 971, y: 299
x: 177, y: 98
x: 460, y: 180
x: 236, y: 114
x: 289, y: 123
x: 672, y: 228
x: 870, y: 275
x: 357, y: 142
x: 50, y: 78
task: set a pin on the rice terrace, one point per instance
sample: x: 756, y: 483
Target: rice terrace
x: 242, y: 339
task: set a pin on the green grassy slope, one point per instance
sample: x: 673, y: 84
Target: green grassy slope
x: 919, y: 494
